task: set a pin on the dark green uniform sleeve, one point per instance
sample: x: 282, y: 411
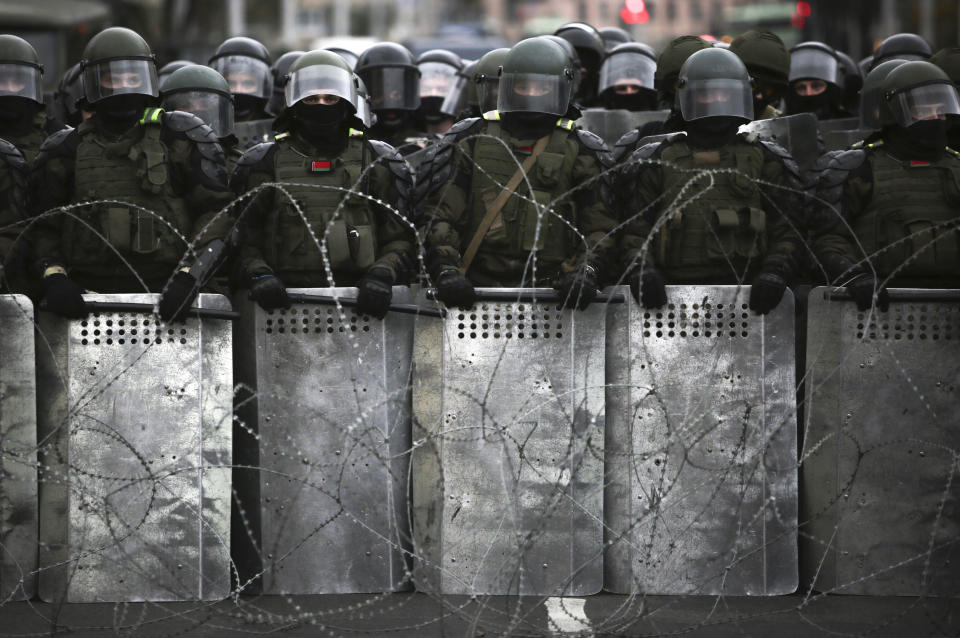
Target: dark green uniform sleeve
x: 785, y: 203
x: 640, y: 187
x: 594, y: 221
x: 445, y: 207
x: 201, y: 174
x: 50, y: 186
x: 844, y: 187
x: 253, y: 169
x: 392, y: 183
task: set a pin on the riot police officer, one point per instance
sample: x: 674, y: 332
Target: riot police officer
x: 699, y: 214
x: 626, y: 78
x: 438, y: 74
x: 203, y: 92
x: 329, y: 212
x: 517, y: 205
x: 591, y: 50
x: 816, y: 81
x: 23, y: 121
x: 245, y: 65
x: 393, y: 79
x: 871, y: 95
x: 891, y: 206
x: 901, y: 46
x: 768, y: 63
x: 155, y: 178
x: 13, y: 214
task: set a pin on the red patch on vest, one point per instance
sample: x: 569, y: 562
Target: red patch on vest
x: 523, y: 150
x: 919, y: 163
x: 319, y: 167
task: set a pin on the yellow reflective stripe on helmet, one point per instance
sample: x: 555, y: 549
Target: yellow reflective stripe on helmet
x: 492, y: 116
x: 565, y: 124
x: 151, y: 116
x: 355, y: 133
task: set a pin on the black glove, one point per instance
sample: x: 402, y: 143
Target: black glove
x: 648, y: 288
x: 268, y: 291
x: 454, y: 289
x: 63, y: 297
x: 178, y: 296
x: 861, y: 288
x: 578, y: 288
x: 766, y: 292
x: 374, y: 292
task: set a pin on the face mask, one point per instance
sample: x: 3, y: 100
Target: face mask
x: 245, y: 106
x: 15, y: 109
x: 528, y: 125
x: 320, y: 123
x: 391, y: 120
x: 122, y: 111
x: 922, y: 140
x: 430, y: 110
x: 821, y: 105
x: 642, y: 101
x: 712, y: 132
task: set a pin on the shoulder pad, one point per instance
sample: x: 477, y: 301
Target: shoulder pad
x: 461, y: 128
x: 626, y: 144
x: 62, y: 143
x: 392, y: 159
x: 12, y: 156
x: 771, y: 148
x: 253, y: 156
x: 847, y: 160
x: 831, y: 172
x: 190, y: 125
x: 17, y: 164
x: 256, y: 154
x: 595, y: 144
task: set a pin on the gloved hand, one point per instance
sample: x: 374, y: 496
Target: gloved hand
x: 374, y: 292
x: 454, y: 289
x: 766, y: 292
x: 648, y: 287
x: 64, y: 297
x: 578, y: 288
x: 861, y: 288
x: 178, y: 296
x: 268, y: 291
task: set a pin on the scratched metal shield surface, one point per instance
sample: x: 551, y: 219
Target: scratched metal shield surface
x: 701, y: 456
x: 332, y: 408
x: 610, y: 125
x: 881, y: 511
x: 135, y: 431
x: 18, y: 450
x: 508, y: 450
x: 254, y: 132
x: 796, y: 133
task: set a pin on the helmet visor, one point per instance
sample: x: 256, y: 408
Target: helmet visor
x: 456, y: 99
x: 393, y: 87
x: 488, y: 92
x: 533, y: 93
x: 245, y: 75
x: 119, y: 77
x: 928, y: 102
x: 364, y: 114
x: 21, y: 80
x: 627, y: 69
x: 215, y: 109
x: 321, y: 79
x: 870, y: 109
x: 436, y: 79
x: 714, y: 98
x: 814, y: 64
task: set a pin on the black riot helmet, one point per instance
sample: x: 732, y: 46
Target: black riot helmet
x: 613, y: 36
x: 591, y: 50
x: 118, y: 62
x: 902, y: 46
x: 438, y: 76
x: 202, y: 91
x: 390, y: 72
x: 916, y: 91
x: 20, y: 70
x: 535, y: 78
x: 871, y: 95
x: 167, y: 70
x: 626, y: 78
x: 714, y: 83
x: 278, y: 72
x: 245, y: 65
x: 815, y: 61
x: 816, y: 81
x: 948, y: 59
x: 349, y: 56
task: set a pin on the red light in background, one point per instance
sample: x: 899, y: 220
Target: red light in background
x: 630, y: 17
x: 636, y: 6
x: 798, y: 20
x: 708, y: 37
x: 803, y: 9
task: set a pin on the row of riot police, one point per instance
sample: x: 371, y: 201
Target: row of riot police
x: 136, y: 198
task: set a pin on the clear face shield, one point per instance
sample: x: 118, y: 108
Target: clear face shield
x: 627, y: 70
x: 456, y: 99
x: 533, y: 93
x: 321, y: 80
x: 245, y: 75
x: 488, y: 92
x: 436, y: 79
x: 928, y: 102
x: 215, y: 109
x: 715, y: 98
x: 815, y: 64
x: 21, y: 80
x: 393, y: 87
x: 119, y: 77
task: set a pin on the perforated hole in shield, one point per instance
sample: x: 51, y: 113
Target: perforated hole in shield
x: 301, y: 320
x: 695, y: 320
x: 511, y: 321
x: 910, y: 322
x: 120, y: 329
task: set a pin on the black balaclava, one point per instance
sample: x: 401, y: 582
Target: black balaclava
x: 823, y: 105
x: 528, y: 125
x: 119, y: 112
x: 712, y: 132
x: 642, y: 101
x: 322, y: 125
x: 924, y: 140
x: 246, y: 106
x: 392, y: 120
x: 429, y: 110
x: 953, y: 132
x: 16, y: 113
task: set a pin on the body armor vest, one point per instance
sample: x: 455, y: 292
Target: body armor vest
x: 135, y: 169
x: 719, y: 220
x: 534, y: 221
x: 320, y: 205
x: 909, y: 229
x: 29, y: 141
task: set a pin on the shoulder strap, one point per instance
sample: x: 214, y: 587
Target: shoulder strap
x: 497, y: 205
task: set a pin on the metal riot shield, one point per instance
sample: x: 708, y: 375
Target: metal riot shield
x: 701, y: 456
x: 18, y: 450
x: 327, y: 429
x: 135, y: 438
x: 507, y: 474
x: 841, y: 124
x: 796, y: 133
x: 612, y: 124
x: 842, y: 140
x: 880, y: 513
x: 254, y: 132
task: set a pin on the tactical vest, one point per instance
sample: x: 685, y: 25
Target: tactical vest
x: 910, y: 226
x: 529, y: 222
x: 29, y: 142
x: 134, y: 170
x: 321, y: 203
x: 711, y: 226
